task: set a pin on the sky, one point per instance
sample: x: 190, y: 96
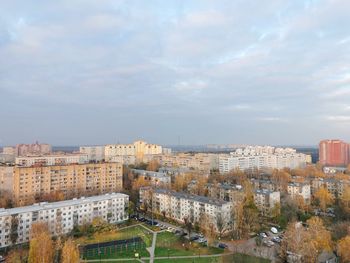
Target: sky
x: 85, y: 72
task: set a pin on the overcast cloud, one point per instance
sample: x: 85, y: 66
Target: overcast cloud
x: 95, y: 72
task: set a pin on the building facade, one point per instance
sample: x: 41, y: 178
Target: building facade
x: 32, y: 149
x: 52, y: 159
x: 138, y: 149
x: 94, y: 153
x: 303, y: 190
x: 181, y: 207
x: 30, y: 182
x: 199, y: 161
x: 62, y: 216
x: 259, y: 157
x: 334, y: 153
x: 155, y: 178
x: 266, y: 200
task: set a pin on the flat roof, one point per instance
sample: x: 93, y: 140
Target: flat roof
x: 197, y: 198
x: 71, y: 202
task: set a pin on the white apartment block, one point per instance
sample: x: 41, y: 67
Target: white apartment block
x: 138, y: 149
x: 266, y: 200
x: 54, y: 159
x: 94, y: 153
x: 181, y: 206
x: 123, y: 159
x: 155, y: 178
x: 300, y: 189
x: 260, y: 157
x: 62, y: 216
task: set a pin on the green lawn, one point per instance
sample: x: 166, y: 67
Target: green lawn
x: 169, y: 244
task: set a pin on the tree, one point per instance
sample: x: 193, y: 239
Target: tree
x: 324, y: 198
x: 153, y: 165
x: 343, y: 249
x: 307, y: 243
x: 14, y: 230
x: 139, y: 182
x: 16, y: 256
x: 345, y: 199
x: 188, y: 226
x: 70, y: 252
x: 41, y: 249
x: 221, y: 224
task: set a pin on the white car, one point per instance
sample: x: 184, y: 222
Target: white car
x: 274, y: 230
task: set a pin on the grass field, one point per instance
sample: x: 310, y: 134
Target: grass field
x: 169, y: 244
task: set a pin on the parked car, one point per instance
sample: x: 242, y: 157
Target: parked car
x: 276, y: 239
x: 263, y: 235
x: 2, y: 259
x: 194, y: 238
x: 222, y: 245
x: 274, y: 230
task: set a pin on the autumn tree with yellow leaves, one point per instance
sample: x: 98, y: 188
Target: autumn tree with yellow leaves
x: 343, y: 249
x: 324, y: 198
x: 307, y: 242
x: 41, y: 247
x: 70, y: 252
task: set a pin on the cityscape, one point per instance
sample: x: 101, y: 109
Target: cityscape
x: 178, y: 131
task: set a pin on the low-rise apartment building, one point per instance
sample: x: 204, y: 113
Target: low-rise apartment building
x: 155, y: 178
x: 181, y: 207
x: 61, y: 216
x: 266, y: 200
x: 300, y: 189
x: 74, y: 179
x: 227, y: 192
x: 334, y: 186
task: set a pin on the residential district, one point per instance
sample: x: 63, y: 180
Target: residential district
x: 142, y: 202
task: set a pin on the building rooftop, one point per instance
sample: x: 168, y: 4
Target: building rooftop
x: 196, y: 198
x: 149, y: 173
x: 46, y: 205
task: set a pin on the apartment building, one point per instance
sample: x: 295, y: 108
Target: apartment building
x: 334, y: 187
x: 138, y: 149
x: 259, y: 157
x: 334, y: 153
x: 52, y: 159
x: 155, y: 178
x: 93, y: 178
x: 227, y: 192
x: 32, y: 149
x: 198, y: 161
x: 266, y: 200
x: 62, y: 216
x: 182, y: 206
x: 259, y: 184
x: 300, y: 189
x: 94, y: 153
x: 124, y: 159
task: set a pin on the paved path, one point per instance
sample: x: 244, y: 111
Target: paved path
x: 153, y: 247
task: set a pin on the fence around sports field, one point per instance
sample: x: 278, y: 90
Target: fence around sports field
x: 126, y: 248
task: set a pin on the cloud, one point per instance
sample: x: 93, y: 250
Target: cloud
x: 231, y: 64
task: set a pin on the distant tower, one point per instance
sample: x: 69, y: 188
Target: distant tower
x: 334, y: 153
